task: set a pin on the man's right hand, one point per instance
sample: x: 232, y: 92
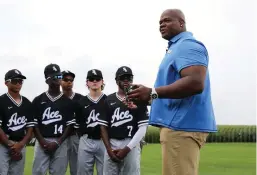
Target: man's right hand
x: 43, y: 143
x: 112, y: 156
x: 48, y: 147
x: 10, y: 144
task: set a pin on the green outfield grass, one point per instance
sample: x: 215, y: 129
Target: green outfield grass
x: 216, y: 159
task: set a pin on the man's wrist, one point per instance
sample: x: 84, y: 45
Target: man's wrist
x: 57, y: 142
x: 23, y: 143
x: 128, y: 148
x: 153, y: 95
x: 8, y: 142
x: 109, y: 149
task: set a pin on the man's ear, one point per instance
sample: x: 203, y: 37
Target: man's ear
x: 87, y: 83
x: 6, y: 83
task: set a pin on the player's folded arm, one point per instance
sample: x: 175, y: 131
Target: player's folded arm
x: 139, y: 135
x: 71, y: 122
x: 77, y: 125
x: 1, y: 118
x: 31, y: 121
x: 3, y: 137
x: 142, y: 122
x: 35, y: 121
x: 78, y: 115
x: 142, y: 116
x: 35, y: 112
x: 102, y: 118
x: 1, y: 111
x: 102, y: 122
x: 30, y: 124
x: 36, y: 130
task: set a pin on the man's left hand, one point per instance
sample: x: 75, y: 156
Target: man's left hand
x: 51, y: 147
x: 141, y: 93
x: 130, y: 104
x: 122, y: 153
x: 17, y: 147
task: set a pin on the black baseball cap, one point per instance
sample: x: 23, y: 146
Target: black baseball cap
x: 94, y: 73
x: 67, y: 72
x: 14, y: 73
x: 124, y: 70
x: 52, y: 70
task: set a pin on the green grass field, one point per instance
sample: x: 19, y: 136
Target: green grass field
x: 216, y: 159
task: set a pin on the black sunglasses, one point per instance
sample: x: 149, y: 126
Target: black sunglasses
x: 56, y: 77
x: 68, y: 80
x: 15, y: 81
x: 91, y: 79
x: 125, y: 77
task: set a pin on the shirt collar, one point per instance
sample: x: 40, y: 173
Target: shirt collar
x: 177, y: 37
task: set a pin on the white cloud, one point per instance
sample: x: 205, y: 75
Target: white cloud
x: 81, y: 35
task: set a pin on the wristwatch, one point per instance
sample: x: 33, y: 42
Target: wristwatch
x: 153, y: 94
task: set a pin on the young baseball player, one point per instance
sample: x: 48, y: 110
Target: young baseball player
x: 16, y: 125
x: 54, y: 115
x: 73, y: 139
x: 91, y: 107
x: 122, y: 129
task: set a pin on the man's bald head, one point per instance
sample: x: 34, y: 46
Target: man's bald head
x: 175, y: 13
x: 172, y: 22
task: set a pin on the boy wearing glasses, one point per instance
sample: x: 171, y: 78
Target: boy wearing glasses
x: 73, y: 139
x: 54, y: 117
x: 16, y: 125
x: 122, y: 129
x: 91, y: 148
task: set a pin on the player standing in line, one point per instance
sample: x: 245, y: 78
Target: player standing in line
x: 16, y: 125
x: 73, y: 139
x: 122, y: 129
x: 54, y: 115
x: 91, y: 147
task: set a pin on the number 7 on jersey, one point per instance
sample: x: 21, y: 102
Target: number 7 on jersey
x: 130, y: 130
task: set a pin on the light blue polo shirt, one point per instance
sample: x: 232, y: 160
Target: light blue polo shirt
x: 193, y: 113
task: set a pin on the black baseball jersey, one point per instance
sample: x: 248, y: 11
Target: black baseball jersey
x: 87, y: 115
x: 122, y: 122
x: 53, y: 115
x: 76, y: 97
x: 15, y: 117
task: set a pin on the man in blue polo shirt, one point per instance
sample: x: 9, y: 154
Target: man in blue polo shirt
x: 181, y: 102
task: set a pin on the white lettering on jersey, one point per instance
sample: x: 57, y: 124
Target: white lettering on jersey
x: 16, y: 123
x: 120, y: 118
x: 50, y: 117
x: 92, y: 120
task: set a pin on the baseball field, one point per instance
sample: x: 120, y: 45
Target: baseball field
x: 216, y: 159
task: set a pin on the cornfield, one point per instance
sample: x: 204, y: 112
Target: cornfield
x: 226, y: 133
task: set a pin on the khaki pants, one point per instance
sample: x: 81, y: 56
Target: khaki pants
x: 181, y: 151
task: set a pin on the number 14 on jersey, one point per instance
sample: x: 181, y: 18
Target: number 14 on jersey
x: 58, y: 129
